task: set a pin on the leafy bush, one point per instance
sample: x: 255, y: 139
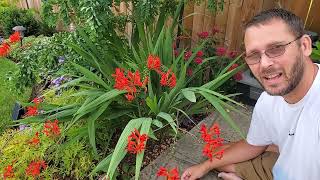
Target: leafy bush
x: 8, y: 93
x: 316, y: 52
x: 214, y: 68
x: 41, y: 59
x: 12, y: 16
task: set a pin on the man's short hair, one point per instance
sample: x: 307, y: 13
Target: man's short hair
x: 293, y: 21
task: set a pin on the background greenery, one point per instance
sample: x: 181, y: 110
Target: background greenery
x: 11, y: 16
x: 316, y: 52
x: 38, y: 60
x: 8, y: 94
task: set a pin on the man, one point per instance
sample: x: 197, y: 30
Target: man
x: 287, y: 114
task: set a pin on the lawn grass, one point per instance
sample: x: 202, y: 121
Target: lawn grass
x: 8, y: 94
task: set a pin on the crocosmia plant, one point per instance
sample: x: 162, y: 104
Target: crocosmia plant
x: 6, y: 45
x: 138, y: 88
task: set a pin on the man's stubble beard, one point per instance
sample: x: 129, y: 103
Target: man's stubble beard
x: 294, y: 78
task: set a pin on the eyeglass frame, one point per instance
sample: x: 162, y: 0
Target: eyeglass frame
x: 264, y: 52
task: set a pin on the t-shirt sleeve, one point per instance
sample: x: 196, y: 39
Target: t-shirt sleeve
x: 259, y: 133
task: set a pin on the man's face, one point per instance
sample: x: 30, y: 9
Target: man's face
x: 278, y: 75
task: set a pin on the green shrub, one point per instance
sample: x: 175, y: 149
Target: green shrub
x: 8, y: 93
x: 38, y: 59
x: 316, y: 52
x: 12, y: 16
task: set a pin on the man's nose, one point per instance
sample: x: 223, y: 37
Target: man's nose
x: 265, y: 61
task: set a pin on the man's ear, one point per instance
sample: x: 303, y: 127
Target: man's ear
x: 306, y: 45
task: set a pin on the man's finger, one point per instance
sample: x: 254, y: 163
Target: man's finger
x: 185, y: 175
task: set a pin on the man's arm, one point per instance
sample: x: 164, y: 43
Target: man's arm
x: 237, y: 152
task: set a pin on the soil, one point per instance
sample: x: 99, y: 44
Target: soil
x: 155, y: 148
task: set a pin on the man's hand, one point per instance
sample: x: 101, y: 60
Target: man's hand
x: 195, y: 172
x: 237, y: 152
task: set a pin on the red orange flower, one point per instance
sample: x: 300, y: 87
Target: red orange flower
x: 215, y: 129
x: 6, y: 46
x: 120, y: 79
x: 145, y: 81
x: 129, y: 97
x: 129, y: 83
x: 173, y: 174
x: 8, y: 172
x: 36, y: 101
x: 153, y: 62
x: 136, y: 142
x: 167, y: 80
x: 15, y: 37
x: 51, y: 129
x: 3, y: 52
x: 212, y: 139
x: 4, y: 49
x: 35, y: 167
x: 134, y: 79
x: 35, y: 140
x: 172, y: 81
x: 31, y: 111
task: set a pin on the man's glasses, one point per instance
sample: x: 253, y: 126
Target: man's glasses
x: 273, y: 52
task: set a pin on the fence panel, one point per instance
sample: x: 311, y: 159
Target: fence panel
x: 27, y: 4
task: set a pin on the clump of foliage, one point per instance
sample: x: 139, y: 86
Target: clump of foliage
x: 12, y: 16
x: 18, y: 149
x: 9, y: 95
x: 41, y: 59
x: 40, y: 142
x: 316, y: 52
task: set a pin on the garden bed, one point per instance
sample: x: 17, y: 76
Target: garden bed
x: 187, y: 151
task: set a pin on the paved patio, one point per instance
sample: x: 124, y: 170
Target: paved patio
x: 188, y: 150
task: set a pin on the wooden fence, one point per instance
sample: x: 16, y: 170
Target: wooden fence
x: 230, y: 21
x: 27, y: 4
x: 237, y: 12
